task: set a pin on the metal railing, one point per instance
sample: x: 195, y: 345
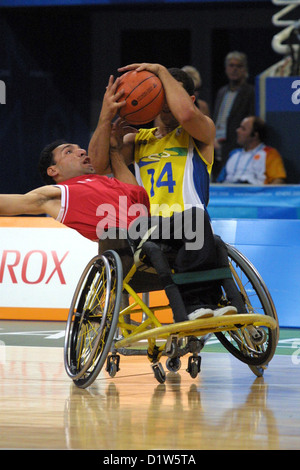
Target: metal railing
x: 287, y: 41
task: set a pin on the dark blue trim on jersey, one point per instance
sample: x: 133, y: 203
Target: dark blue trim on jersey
x: 201, y: 178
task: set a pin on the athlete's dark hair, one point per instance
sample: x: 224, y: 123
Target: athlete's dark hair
x: 181, y: 76
x: 46, y: 160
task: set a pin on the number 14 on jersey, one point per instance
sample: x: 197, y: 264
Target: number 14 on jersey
x: 165, y: 179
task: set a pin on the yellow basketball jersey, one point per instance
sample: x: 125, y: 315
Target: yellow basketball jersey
x: 172, y: 170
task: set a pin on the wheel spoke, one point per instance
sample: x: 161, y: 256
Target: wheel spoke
x: 91, y: 326
x: 252, y: 345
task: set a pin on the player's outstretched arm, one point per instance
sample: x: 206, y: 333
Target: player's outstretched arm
x: 44, y: 200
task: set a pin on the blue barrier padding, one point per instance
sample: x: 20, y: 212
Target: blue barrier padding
x: 273, y: 247
x: 254, y: 202
x: 282, y: 94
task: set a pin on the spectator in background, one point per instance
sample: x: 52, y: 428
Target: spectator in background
x: 234, y: 101
x: 254, y: 163
x: 195, y: 75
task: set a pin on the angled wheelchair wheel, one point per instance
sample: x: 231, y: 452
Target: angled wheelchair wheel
x: 253, y: 345
x: 93, y: 318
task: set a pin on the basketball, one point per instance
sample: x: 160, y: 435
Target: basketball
x: 144, y: 96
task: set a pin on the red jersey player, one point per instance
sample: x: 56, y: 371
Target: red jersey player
x: 77, y: 196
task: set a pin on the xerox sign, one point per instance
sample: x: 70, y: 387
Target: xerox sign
x: 40, y: 267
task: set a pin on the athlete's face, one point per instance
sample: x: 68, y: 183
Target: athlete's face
x: 70, y: 161
x: 167, y: 117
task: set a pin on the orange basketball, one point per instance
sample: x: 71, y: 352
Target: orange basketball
x: 144, y: 96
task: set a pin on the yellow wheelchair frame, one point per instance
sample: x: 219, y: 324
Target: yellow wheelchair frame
x: 98, y: 330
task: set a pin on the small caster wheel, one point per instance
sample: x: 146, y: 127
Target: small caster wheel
x: 194, y: 366
x: 172, y: 347
x: 173, y: 364
x: 159, y: 372
x: 194, y: 345
x: 258, y: 371
x: 112, y: 365
x: 113, y: 369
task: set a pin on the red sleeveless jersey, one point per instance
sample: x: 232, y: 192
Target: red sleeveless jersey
x: 92, y: 203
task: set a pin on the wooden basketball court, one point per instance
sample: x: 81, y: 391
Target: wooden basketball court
x: 225, y: 407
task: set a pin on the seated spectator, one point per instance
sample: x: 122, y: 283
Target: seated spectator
x: 255, y: 162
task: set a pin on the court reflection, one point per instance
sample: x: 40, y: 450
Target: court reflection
x: 226, y: 407
x: 175, y: 415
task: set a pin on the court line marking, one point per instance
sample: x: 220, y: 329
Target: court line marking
x: 287, y: 343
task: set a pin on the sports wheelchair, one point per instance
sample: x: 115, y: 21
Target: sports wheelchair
x: 99, y: 329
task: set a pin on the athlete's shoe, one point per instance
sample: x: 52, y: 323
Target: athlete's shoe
x: 225, y: 311
x: 208, y: 312
x: 201, y: 313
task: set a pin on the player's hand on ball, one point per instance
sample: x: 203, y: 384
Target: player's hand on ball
x: 153, y: 68
x: 112, y: 100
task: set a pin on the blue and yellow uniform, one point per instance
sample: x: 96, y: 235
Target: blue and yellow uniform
x: 172, y: 170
